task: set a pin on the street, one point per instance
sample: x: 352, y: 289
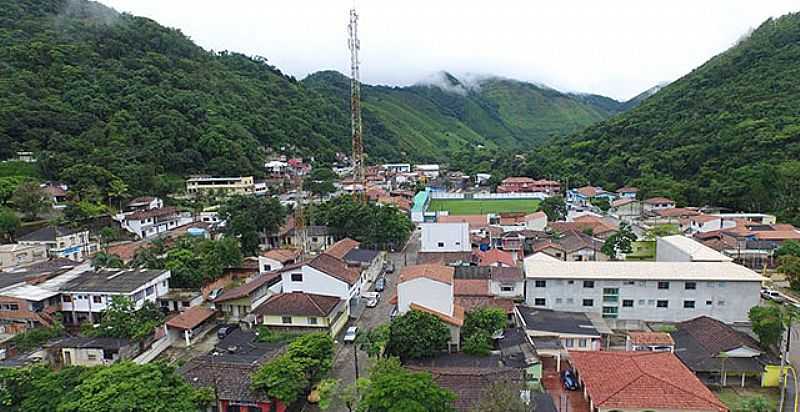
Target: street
x: 344, y: 359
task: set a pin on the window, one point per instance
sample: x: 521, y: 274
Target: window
x: 583, y: 343
x: 138, y: 296
x: 627, y: 303
x: 610, y: 291
x: 539, y: 302
x: 690, y: 285
x: 570, y: 343
x: 91, y: 356
x: 559, y: 300
x: 721, y: 302
x: 314, y: 239
x: 541, y: 283
x: 662, y: 304
x: 629, y: 283
x: 297, y: 277
x: 185, y: 304
x: 267, y: 268
x: 506, y: 288
x: 150, y: 290
x: 722, y: 284
x: 610, y: 311
x: 688, y: 304
x: 97, y: 299
x: 588, y: 302
x: 641, y: 302
x: 709, y: 302
x: 440, y: 244
x: 312, y: 320
x: 286, y: 319
x: 570, y: 282
x: 66, y: 298
x: 570, y: 301
x: 663, y: 285
x: 588, y: 284
x: 164, y: 284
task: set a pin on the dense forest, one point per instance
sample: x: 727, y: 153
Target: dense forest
x: 726, y: 134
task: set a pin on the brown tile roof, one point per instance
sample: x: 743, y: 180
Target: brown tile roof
x: 536, y: 215
x: 54, y: 191
x: 777, y: 235
x: 715, y: 336
x: 622, y: 202
x: 340, y: 248
x: 471, y: 287
x: 442, y: 258
x: 457, y: 319
x: 335, y: 267
x: 677, y: 212
x: 468, y: 383
x: 657, y: 200
x: 651, y: 338
x: 191, y: 318
x: 589, y: 191
x: 298, y: 304
x: 141, y: 200
x: 282, y: 255
x: 492, y: 256
x: 439, y: 273
x: 470, y: 303
x: 628, y: 189
x: 249, y: 287
x: 475, y: 221
x: 642, y: 380
x: 518, y: 179
x: 150, y: 213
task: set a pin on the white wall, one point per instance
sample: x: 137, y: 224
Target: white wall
x: 425, y: 292
x: 667, y: 252
x: 730, y: 301
x: 537, y: 224
x: 445, y: 237
x: 315, y: 282
x: 85, y: 302
x: 518, y: 289
x: 273, y: 264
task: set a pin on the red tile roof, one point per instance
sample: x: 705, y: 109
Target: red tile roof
x: 438, y: 273
x: 457, y: 319
x: 517, y: 179
x: 658, y: 200
x: 536, y: 215
x: 249, y: 287
x: 475, y: 221
x: 677, y: 212
x: 642, y: 380
x: 628, y: 189
x: 589, y: 191
x: 651, y: 338
x: 282, y: 255
x: 298, y: 304
x: 340, y: 248
x: 493, y: 256
x: 622, y: 202
x: 335, y: 267
x: 191, y: 318
x: 471, y: 287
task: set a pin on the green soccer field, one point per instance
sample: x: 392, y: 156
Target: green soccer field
x: 481, y: 207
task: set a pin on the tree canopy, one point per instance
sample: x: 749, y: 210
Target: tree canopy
x: 768, y: 323
x: 392, y: 388
x: 416, y: 334
x: 306, y: 360
x: 247, y: 216
x: 121, y: 319
x: 371, y: 224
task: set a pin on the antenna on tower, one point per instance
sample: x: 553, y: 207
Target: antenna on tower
x: 359, y: 173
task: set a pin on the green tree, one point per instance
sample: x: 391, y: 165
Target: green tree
x: 9, y: 224
x: 8, y: 185
x: 620, y: 242
x: 502, y: 396
x: 194, y: 262
x: 790, y: 267
x: 479, y: 326
x: 788, y: 248
x: 478, y: 343
x: 369, y: 223
x: 80, y: 211
x: 247, y: 216
x: 320, y: 181
x: 333, y: 392
x: 416, y: 334
x: 126, y: 386
x: 104, y: 260
x: 121, y: 319
x: 30, y: 199
x: 554, y: 207
x: 374, y: 341
x: 392, y: 388
x: 768, y: 323
x: 753, y: 404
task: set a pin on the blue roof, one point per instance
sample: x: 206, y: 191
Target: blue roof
x: 420, y: 201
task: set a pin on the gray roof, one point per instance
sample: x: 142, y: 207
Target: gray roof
x: 48, y: 234
x: 545, y: 320
x: 53, y: 266
x: 500, y: 274
x: 361, y: 255
x: 112, y: 281
x: 84, y: 342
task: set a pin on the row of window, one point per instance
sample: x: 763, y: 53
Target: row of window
x: 9, y: 307
x: 68, y: 298
x: 287, y: 320
x: 628, y: 303
x: 589, y: 284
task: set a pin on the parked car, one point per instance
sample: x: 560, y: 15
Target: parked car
x: 226, y: 330
x: 388, y: 267
x: 570, y: 382
x: 373, y: 301
x: 380, y: 284
x: 773, y: 295
x: 350, y: 334
x: 394, y: 313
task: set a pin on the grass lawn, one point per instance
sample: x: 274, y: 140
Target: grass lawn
x: 733, y: 397
x: 481, y: 207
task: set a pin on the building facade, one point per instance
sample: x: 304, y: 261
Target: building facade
x: 240, y: 185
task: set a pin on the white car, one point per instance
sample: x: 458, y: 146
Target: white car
x: 372, y: 302
x: 350, y: 335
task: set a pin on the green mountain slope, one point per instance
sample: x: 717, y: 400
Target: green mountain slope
x: 728, y: 133
x: 447, y: 114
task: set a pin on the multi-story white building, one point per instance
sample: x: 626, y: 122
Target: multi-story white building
x: 13, y: 255
x: 679, y: 248
x: 647, y: 291
x: 445, y: 237
x: 61, y: 241
x: 240, y: 185
x: 397, y: 167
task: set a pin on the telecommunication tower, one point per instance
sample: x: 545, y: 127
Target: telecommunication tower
x: 359, y: 172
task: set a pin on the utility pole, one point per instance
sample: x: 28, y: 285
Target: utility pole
x: 359, y: 172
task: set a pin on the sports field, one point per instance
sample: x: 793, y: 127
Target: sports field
x: 481, y: 207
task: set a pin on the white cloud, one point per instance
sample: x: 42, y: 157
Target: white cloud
x: 617, y: 48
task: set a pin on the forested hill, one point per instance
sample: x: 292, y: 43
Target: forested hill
x: 82, y: 84
x: 446, y: 114
x: 727, y: 134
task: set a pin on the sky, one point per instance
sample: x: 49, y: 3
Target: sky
x: 616, y: 48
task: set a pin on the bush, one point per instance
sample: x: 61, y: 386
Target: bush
x: 479, y: 343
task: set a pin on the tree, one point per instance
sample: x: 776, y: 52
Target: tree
x: 247, y: 216
x: 194, y: 262
x: 30, y: 199
x: 9, y: 224
x: 416, y: 334
x: 392, y: 388
x: 790, y: 267
x: 369, y: 223
x: 374, y: 340
x: 334, y: 392
x: 768, y: 323
x: 121, y: 319
x: 314, y: 351
x: 320, y: 181
x: 788, y: 248
x: 80, y: 211
x: 8, y: 185
x: 126, y: 386
x: 104, y: 260
x: 478, y: 343
x: 620, y: 242
x: 601, y: 203
x: 658, y: 231
x: 753, y: 404
x: 554, y: 207
x: 502, y: 396
x: 479, y: 326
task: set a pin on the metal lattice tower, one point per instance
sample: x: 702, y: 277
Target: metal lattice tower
x: 359, y: 172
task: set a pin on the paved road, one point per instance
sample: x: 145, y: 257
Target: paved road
x: 344, y: 359
x: 790, y: 403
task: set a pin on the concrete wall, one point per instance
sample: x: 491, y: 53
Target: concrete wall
x: 315, y: 282
x: 98, y: 301
x: 517, y: 292
x: 23, y: 256
x: 425, y: 292
x: 266, y: 264
x: 445, y: 237
x: 730, y: 301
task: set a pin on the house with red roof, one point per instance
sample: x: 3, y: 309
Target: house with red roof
x: 528, y: 185
x: 657, y: 203
x: 325, y: 275
x: 639, y: 381
x: 496, y: 257
x: 306, y: 312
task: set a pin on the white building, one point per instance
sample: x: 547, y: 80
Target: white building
x: 536, y: 221
x: 239, y: 185
x: 324, y: 275
x: 445, y: 237
x: 429, y: 288
x: 144, y: 203
x: 275, y: 259
x: 680, y: 248
x: 397, y: 167
x: 709, y: 223
x: 647, y: 291
x: 149, y: 223
x: 61, y: 241
x: 430, y: 171
x: 13, y: 255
